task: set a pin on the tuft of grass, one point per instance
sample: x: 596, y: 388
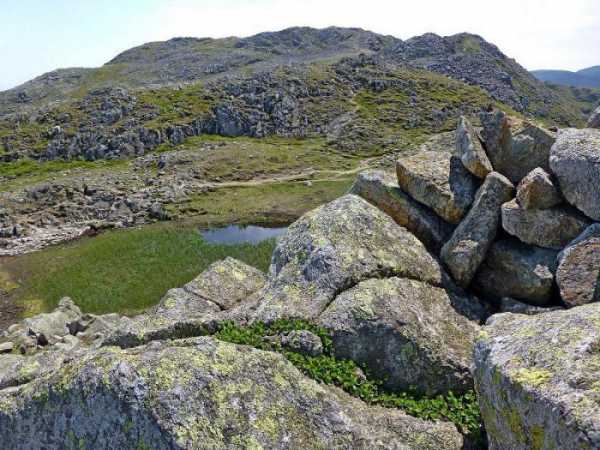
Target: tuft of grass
x: 462, y: 410
x: 123, y: 271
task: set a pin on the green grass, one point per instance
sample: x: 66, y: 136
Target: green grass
x: 462, y: 410
x: 120, y: 271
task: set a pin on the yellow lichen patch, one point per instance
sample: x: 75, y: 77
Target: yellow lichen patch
x: 531, y: 377
x: 6, y: 284
x: 537, y: 437
x: 482, y: 336
x: 170, y: 303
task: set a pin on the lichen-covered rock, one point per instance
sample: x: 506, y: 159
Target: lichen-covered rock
x: 470, y: 150
x: 550, y: 228
x: 439, y: 181
x: 578, y: 274
x: 405, y: 332
x: 538, y: 191
x: 200, y: 393
x: 381, y: 189
x: 594, y: 119
x: 537, y: 378
x: 334, y: 247
x: 303, y: 341
x: 510, y: 305
x: 467, y: 247
x: 44, y: 329
x: 512, y: 269
x: 575, y: 160
x: 515, y: 147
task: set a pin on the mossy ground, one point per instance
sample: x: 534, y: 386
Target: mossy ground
x: 119, y: 271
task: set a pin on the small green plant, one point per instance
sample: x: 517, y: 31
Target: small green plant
x: 462, y: 410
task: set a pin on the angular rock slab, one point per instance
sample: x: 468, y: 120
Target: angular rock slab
x: 334, y: 247
x: 515, y: 147
x: 405, y: 332
x: 550, y: 228
x: 200, y: 393
x: 439, y: 181
x: 575, y: 160
x: 537, y: 378
x: 538, y: 191
x: 381, y: 189
x: 470, y: 150
x: 578, y: 274
x: 513, y: 269
x: 594, y: 120
x: 467, y: 247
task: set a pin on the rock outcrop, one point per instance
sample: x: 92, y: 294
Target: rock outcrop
x: 578, y: 274
x: 467, y: 247
x: 470, y: 149
x: 187, y: 394
x: 575, y: 160
x: 538, y: 191
x: 537, y: 379
x: 439, y: 181
x: 594, y: 119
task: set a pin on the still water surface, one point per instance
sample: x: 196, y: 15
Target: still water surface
x: 236, y: 234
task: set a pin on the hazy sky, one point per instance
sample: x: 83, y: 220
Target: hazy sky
x: 37, y: 36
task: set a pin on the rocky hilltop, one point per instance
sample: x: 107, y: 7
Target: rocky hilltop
x: 473, y: 268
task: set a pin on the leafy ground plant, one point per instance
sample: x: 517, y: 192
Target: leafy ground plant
x: 462, y: 410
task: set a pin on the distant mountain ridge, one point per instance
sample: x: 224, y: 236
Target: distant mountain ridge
x: 463, y: 57
x: 589, y: 77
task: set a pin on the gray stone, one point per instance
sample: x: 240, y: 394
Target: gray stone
x: 510, y: 305
x: 575, y: 160
x: 537, y: 379
x: 594, y: 120
x: 512, y: 269
x: 538, y: 191
x: 550, y: 228
x: 578, y: 274
x: 470, y: 150
x: 467, y: 247
x: 405, y: 332
x: 515, y: 147
x: 6, y: 347
x: 200, y: 393
x: 303, y: 341
x: 381, y: 189
x: 334, y: 247
x: 439, y: 181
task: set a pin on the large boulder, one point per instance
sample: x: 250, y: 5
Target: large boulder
x: 381, y: 189
x: 200, y: 393
x: 550, y: 228
x: 575, y: 160
x: 439, y: 181
x: 405, y: 332
x: 470, y: 149
x: 467, y: 247
x: 538, y: 191
x: 594, y: 120
x: 512, y: 269
x: 515, y: 147
x: 537, y: 379
x: 331, y: 249
x: 578, y: 274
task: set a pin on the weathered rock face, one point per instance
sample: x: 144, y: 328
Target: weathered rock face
x: 470, y: 150
x: 469, y: 243
x: 334, y: 247
x: 594, y: 120
x: 405, y: 332
x: 537, y: 379
x: 515, y: 147
x: 575, y: 160
x: 438, y: 180
x: 187, y: 394
x: 550, y: 228
x: 510, y: 305
x: 538, y: 191
x: 381, y: 189
x: 578, y: 274
x: 512, y: 269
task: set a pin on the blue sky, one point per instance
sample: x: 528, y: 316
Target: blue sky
x: 37, y: 36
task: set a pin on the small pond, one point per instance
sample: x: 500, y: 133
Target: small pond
x: 236, y: 234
